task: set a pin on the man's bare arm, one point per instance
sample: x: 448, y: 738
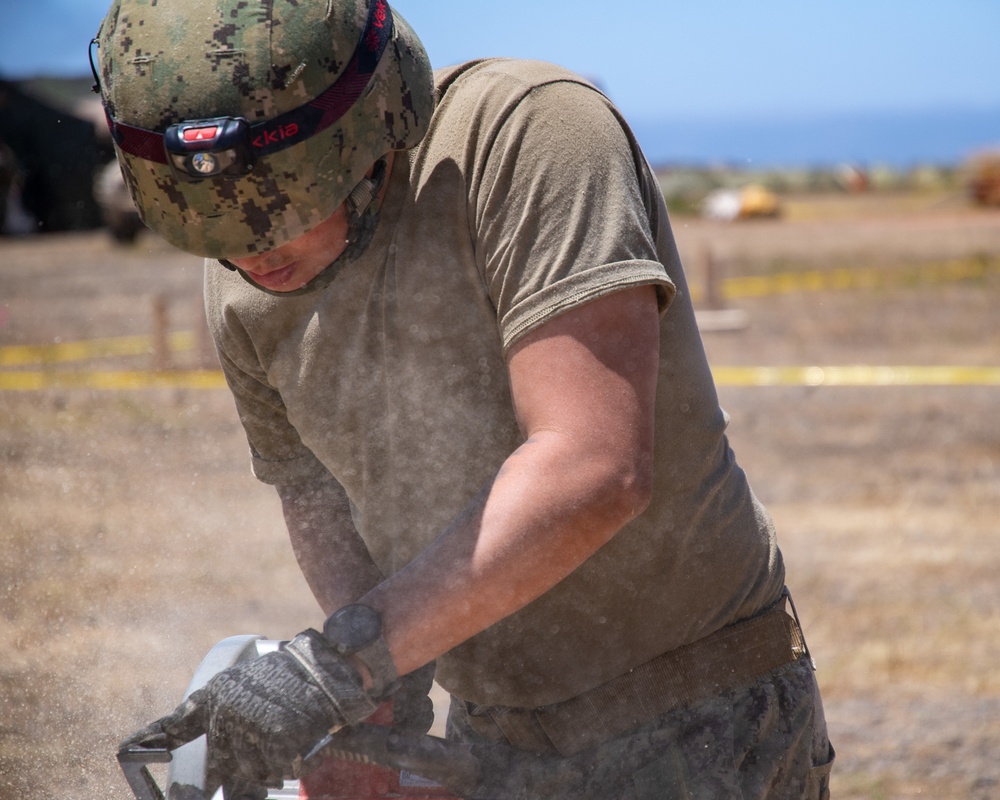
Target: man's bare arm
x: 331, y: 554
x: 584, y: 388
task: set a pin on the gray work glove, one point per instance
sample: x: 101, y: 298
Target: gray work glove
x: 412, y: 707
x: 260, y: 716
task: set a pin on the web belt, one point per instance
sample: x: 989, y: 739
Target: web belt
x: 731, y: 657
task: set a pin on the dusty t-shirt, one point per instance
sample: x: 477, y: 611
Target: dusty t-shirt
x: 527, y: 197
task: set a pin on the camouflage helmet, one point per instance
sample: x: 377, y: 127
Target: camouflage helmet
x: 241, y: 125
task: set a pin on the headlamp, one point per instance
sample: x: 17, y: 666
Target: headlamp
x: 228, y: 146
x: 207, y: 148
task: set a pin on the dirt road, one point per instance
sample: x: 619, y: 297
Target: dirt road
x: 134, y: 537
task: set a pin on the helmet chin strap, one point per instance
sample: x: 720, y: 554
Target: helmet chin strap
x: 363, y: 207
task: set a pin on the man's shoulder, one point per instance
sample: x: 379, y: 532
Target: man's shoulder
x: 494, y: 74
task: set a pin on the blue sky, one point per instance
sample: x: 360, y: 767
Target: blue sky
x: 724, y: 57
x: 706, y: 60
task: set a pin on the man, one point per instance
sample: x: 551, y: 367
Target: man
x: 451, y: 313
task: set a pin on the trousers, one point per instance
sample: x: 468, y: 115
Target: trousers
x: 764, y: 740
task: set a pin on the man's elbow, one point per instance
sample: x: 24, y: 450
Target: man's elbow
x: 630, y: 492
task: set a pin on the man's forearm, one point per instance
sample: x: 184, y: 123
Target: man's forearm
x: 330, y: 552
x: 521, y: 536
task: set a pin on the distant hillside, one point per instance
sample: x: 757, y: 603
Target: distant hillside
x: 63, y: 93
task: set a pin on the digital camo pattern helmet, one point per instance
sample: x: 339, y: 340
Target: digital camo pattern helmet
x: 242, y: 124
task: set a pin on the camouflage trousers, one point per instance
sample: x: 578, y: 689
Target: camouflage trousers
x: 767, y: 740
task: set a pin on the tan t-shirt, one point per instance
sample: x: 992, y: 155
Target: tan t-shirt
x: 527, y: 197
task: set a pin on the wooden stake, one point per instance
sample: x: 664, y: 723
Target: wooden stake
x: 161, y: 336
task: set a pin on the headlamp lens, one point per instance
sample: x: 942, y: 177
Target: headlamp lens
x: 205, y: 163
x: 207, y: 148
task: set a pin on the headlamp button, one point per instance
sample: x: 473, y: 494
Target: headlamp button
x: 201, y: 134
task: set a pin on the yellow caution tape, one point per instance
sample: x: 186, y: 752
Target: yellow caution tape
x: 66, y: 352
x: 748, y: 286
x: 857, y: 376
x: 732, y: 288
x: 852, y: 278
x: 36, y: 381
x: 724, y: 376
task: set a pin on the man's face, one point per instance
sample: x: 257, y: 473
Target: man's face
x: 294, y: 264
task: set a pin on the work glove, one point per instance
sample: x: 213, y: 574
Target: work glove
x: 412, y: 707
x: 262, y: 715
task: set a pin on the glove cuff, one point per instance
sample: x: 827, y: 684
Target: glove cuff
x: 339, y: 681
x: 356, y: 630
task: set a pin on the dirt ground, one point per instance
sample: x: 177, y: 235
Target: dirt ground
x: 134, y: 537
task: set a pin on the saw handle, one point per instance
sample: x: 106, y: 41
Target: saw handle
x: 135, y: 763
x: 449, y: 764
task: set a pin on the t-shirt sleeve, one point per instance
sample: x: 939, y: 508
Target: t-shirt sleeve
x: 278, y: 454
x: 559, y: 210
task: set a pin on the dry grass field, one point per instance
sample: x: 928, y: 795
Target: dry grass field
x: 134, y: 538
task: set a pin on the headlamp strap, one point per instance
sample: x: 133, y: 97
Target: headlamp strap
x: 294, y: 126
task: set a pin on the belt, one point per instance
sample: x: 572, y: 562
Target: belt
x: 732, y: 657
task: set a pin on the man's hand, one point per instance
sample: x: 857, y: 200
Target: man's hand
x: 260, y: 716
x: 412, y: 707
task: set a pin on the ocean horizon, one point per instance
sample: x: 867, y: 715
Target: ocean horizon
x: 934, y: 137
